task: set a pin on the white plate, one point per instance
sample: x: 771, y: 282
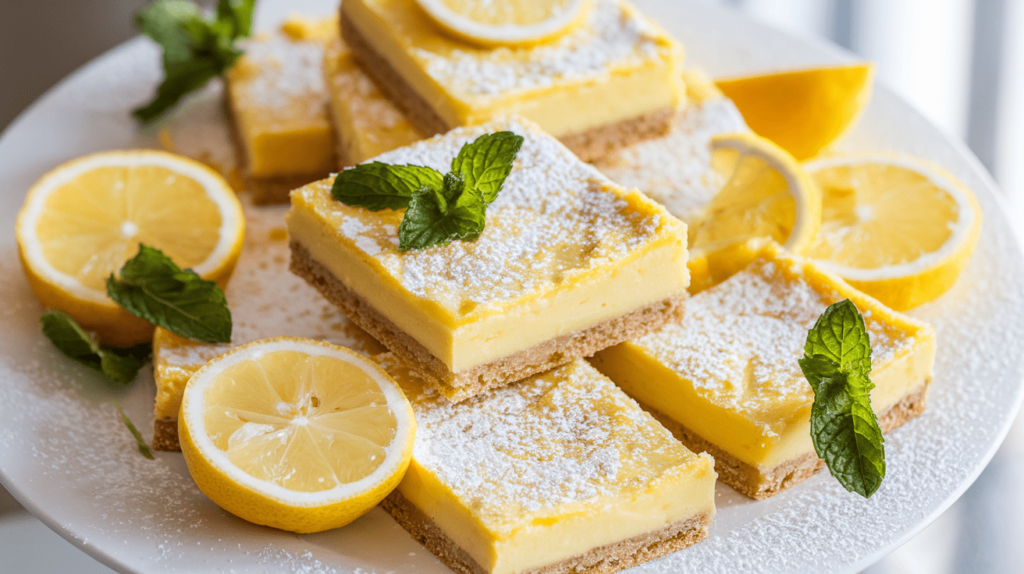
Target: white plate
x: 65, y: 455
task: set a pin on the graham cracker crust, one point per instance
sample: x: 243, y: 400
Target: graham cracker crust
x: 759, y: 484
x: 460, y: 386
x: 165, y: 434
x: 590, y: 145
x: 601, y: 560
x: 264, y: 190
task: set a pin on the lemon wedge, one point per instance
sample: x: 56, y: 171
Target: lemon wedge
x: 508, y: 22
x: 295, y: 434
x: 84, y: 219
x: 805, y: 110
x: 766, y: 196
x: 896, y: 227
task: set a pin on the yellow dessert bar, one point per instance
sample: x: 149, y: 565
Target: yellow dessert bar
x: 609, y: 81
x: 265, y: 301
x: 278, y: 104
x: 561, y: 472
x: 726, y: 379
x: 366, y: 122
x: 569, y: 263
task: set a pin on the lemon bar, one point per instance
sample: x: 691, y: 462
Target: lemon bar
x: 608, y: 82
x: 675, y: 170
x: 561, y: 472
x: 265, y: 301
x: 569, y: 263
x: 278, y: 103
x: 366, y: 122
x: 726, y: 380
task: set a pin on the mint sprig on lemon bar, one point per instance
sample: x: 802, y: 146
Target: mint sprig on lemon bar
x: 844, y: 429
x: 195, y: 49
x: 154, y: 288
x: 438, y: 208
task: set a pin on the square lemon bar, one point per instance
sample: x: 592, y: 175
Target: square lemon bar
x: 366, y: 122
x: 569, y: 263
x: 607, y: 82
x: 726, y: 380
x: 278, y: 103
x: 265, y: 301
x: 561, y: 472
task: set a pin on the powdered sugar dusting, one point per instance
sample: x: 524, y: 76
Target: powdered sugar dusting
x: 675, y: 170
x: 740, y: 341
x: 611, y: 38
x: 562, y: 437
x: 555, y: 218
x: 267, y: 300
x: 281, y: 78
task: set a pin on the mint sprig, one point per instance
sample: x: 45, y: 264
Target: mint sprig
x: 143, y: 447
x: 438, y: 208
x: 844, y: 428
x: 120, y: 365
x: 195, y: 49
x: 152, y: 287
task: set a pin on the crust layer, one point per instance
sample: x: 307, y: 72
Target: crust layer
x: 589, y: 145
x: 460, y: 386
x: 165, y: 434
x: 601, y: 560
x: 761, y: 484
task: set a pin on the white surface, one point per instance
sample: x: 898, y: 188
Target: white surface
x: 66, y: 456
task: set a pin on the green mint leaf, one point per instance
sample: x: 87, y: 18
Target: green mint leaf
x: 152, y: 287
x: 179, y: 80
x: 195, y: 50
x: 487, y: 161
x: 844, y: 429
x: 237, y: 15
x: 378, y: 186
x: 426, y: 225
x: 143, y: 448
x: 119, y: 365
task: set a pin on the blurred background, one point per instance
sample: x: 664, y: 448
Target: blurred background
x: 960, y: 62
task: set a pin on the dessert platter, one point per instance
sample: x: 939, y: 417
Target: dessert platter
x: 534, y: 384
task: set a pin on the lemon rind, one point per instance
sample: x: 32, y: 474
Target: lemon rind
x: 511, y: 34
x: 401, y: 445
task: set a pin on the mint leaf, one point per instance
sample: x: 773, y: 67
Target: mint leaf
x: 152, y: 287
x: 119, y: 365
x: 195, y: 50
x: 437, y: 217
x: 487, y: 161
x: 378, y: 186
x: 844, y: 429
x: 143, y: 448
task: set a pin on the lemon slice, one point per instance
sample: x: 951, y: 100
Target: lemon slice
x: 84, y: 219
x: 295, y: 434
x: 766, y: 196
x: 896, y: 227
x: 497, y: 22
x: 805, y: 110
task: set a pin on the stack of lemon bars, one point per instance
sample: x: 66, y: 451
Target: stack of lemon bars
x: 562, y: 378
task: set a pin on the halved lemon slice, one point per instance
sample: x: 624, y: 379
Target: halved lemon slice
x: 295, y: 434
x: 498, y: 22
x: 803, y: 110
x: 84, y: 219
x: 767, y: 195
x: 896, y: 227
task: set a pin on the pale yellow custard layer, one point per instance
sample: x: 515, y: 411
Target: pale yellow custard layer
x: 279, y: 102
x: 563, y: 249
x: 614, y: 65
x: 729, y: 371
x: 546, y: 469
x: 366, y: 122
x: 266, y: 300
